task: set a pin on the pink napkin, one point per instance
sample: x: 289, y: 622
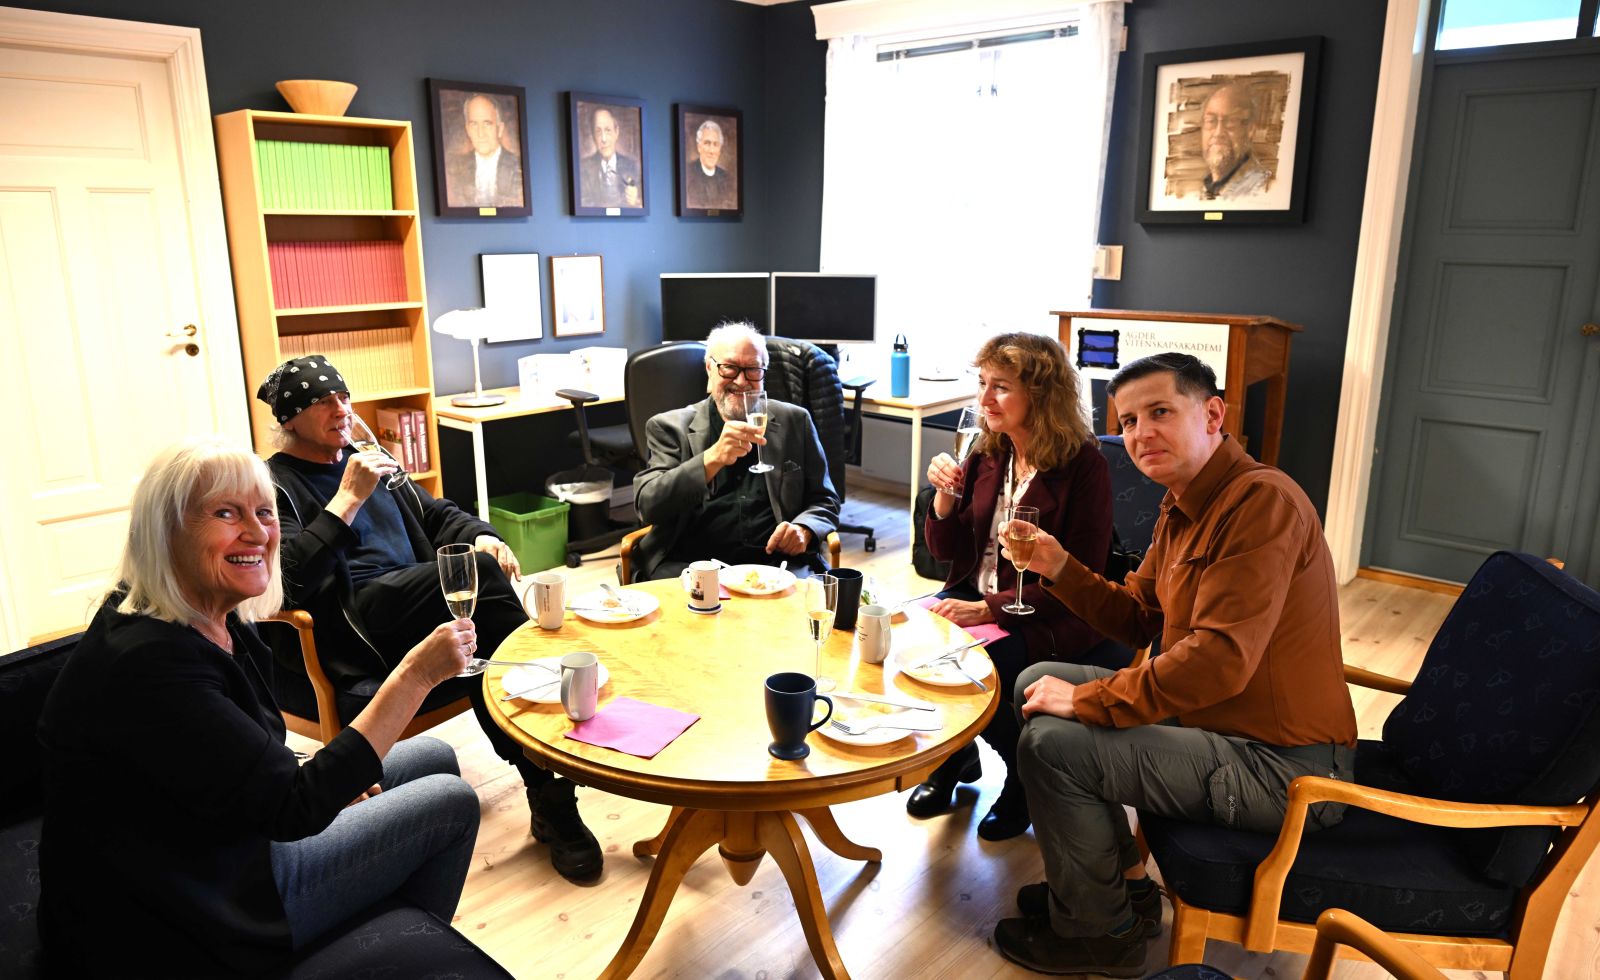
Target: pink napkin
x: 633, y: 727
x: 987, y: 632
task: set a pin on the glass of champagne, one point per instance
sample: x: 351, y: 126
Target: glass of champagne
x: 362, y: 439
x: 968, y: 430
x: 1021, y: 535
x: 820, y: 597
x: 755, y: 416
x: 458, y: 577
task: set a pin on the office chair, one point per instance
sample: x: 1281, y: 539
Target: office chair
x: 801, y: 373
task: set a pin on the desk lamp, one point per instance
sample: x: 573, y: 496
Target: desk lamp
x: 472, y: 325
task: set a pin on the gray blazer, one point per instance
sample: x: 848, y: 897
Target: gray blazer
x: 670, y: 492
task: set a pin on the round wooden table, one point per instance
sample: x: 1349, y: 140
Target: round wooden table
x: 723, y: 786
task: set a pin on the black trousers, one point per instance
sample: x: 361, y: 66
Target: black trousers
x: 400, y: 607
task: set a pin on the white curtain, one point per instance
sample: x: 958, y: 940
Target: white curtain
x: 970, y: 181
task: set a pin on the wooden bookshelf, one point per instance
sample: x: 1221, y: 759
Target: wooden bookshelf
x: 382, y: 348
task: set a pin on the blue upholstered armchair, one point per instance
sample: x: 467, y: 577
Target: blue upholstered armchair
x: 1467, y: 823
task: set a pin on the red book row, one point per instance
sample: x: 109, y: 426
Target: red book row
x: 336, y: 273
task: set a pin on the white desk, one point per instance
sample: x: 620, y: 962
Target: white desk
x: 471, y: 421
x: 926, y: 398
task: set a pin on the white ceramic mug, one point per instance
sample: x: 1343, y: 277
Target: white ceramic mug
x: 580, y: 685
x: 549, y: 591
x: 872, y: 633
x: 701, y: 582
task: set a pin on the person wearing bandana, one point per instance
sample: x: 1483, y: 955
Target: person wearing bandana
x: 360, y: 557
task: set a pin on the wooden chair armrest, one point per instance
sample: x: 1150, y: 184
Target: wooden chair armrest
x: 1267, y: 894
x: 1336, y: 926
x: 833, y: 549
x: 327, y: 705
x: 1375, y: 680
x: 625, y: 553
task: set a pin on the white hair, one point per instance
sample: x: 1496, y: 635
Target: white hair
x: 708, y: 124
x: 180, y: 478
x: 730, y: 332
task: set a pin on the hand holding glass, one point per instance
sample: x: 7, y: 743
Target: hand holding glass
x: 364, y: 441
x: 1021, y: 535
x: 968, y: 429
x: 819, y: 596
x: 458, y: 578
x: 755, y: 416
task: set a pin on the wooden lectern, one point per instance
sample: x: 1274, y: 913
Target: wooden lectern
x: 1257, y: 350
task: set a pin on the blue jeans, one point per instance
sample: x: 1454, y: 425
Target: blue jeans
x: 414, y: 841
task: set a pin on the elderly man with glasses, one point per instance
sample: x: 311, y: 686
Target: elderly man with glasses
x: 700, y: 490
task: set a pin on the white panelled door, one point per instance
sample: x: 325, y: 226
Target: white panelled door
x: 103, y: 338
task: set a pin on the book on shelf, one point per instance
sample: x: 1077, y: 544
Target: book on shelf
x: 308, y: 274
x: 391, y: 432
x: 419, y: 426
x: 302, y: 176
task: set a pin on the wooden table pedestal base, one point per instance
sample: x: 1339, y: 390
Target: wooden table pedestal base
x: 742, y: 838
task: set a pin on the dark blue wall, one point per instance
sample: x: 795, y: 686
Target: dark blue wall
x: 709, y: 52
x: 1302, y: 273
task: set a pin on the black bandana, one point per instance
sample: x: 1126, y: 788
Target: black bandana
x: 296, y: 384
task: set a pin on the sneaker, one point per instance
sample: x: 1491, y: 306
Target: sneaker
x: 1030, y: 942
x: 573, y: 849
x: 1035, y: 900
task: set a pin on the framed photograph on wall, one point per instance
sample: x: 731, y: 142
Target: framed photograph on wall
x: 511, y: 289
x: 710, y: 161
x: 606, y: 155
x: 480, y: 143
x: 1226, y: 133
x: 577, y: 293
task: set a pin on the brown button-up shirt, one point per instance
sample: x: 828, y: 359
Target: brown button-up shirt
x: 1240, y: 582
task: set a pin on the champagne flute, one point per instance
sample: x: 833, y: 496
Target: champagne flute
x: 968, y: 430
x: 362, y: 439
x: 819, y: 595
x: 1021, y: 534
x: 755, y: 416
x: 458, y: 578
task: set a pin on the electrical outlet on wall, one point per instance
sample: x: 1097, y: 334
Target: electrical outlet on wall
x: 1108, y: 261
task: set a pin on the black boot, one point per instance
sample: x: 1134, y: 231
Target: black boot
x: 573, y: 849
x: 1008, y: 817
x: 933, y: 797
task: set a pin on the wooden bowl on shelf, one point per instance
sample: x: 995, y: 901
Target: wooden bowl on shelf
x: 317, y: 97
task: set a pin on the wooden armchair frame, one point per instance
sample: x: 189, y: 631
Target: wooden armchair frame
x: 1337, y: 927
x: 1533, y: 920
x: 326, y: 725
x: 632, y: 538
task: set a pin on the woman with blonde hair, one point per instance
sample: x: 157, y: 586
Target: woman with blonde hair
x: 1036, y: 448
x: 181, y: 836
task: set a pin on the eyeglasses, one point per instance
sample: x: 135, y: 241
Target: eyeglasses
x: 731, y: 371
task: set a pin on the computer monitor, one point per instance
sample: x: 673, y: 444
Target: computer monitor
x: 825, y: 308
x: 693, y: 303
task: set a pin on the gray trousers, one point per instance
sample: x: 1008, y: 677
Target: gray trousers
x: 1080, y: 776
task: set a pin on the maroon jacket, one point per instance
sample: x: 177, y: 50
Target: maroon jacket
x: 1074, y: 504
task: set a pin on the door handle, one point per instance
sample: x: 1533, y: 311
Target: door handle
x: 1590, y: 329
x: 187, y: 330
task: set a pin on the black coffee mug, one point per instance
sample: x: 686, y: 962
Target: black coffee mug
x: 844, y: 613
x: 791, y: 701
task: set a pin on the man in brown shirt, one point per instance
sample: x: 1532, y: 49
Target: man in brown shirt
x: 1247, y: 694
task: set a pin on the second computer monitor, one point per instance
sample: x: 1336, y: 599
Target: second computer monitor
x: 693, y: 303
x: 825, y: 308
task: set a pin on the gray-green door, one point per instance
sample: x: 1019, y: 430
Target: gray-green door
x: 1488, y: 437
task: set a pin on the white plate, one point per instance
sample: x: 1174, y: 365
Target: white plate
x: 944, y: 673
x: 598, y: 607
x: 523, y: 678
x: 858, y: 714
x: 771, y: 579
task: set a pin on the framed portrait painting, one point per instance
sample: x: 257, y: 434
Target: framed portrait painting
x: 577, y: 293
x: 1226, y: 133
x: 480, y: 146
x: 606, y: 155
x: 710, y: 161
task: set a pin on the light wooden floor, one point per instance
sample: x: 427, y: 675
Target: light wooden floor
x: 927, y: 911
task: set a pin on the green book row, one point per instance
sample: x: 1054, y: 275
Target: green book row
x: 323, y: 176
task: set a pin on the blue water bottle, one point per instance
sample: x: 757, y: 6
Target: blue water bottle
x: 900, y: 369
